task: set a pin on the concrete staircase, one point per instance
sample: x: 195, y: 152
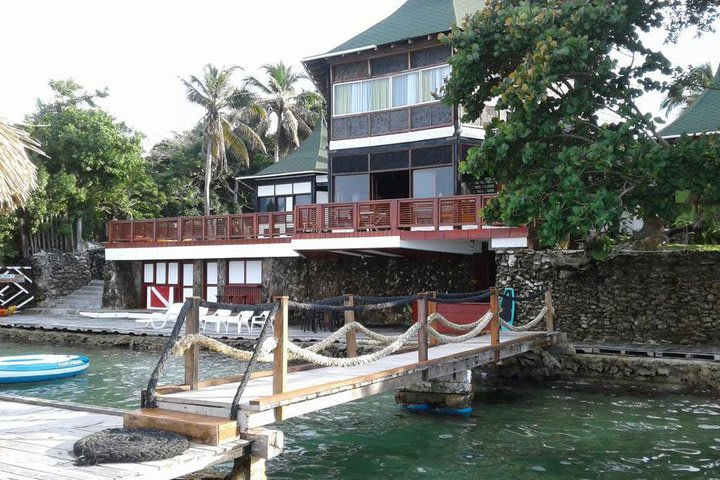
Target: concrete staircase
x: 83, y: 299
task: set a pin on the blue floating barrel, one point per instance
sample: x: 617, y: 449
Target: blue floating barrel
x: 38, y: 368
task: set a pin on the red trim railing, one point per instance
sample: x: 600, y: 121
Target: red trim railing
x: 445, y: 213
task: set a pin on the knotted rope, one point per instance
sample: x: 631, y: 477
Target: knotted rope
x: 524, y: 328
x: 479, y: 325
x: 312, y: 357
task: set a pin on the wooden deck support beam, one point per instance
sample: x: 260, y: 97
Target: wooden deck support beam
x: 350, y: 337
x: 422, y: 308
x: 550, y: 314
x: 495, y: 322
x: 192, y: 354
x: 432, y: 308
x: 280, y: 365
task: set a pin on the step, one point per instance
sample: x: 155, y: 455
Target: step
x: 199, y: 428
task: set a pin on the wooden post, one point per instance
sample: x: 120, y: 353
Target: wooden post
x: 495, y: 322
x: 192, y: 354
x: 550, y: 314
x: 350, y: 337
x: 222, y: 274
x: 281, y: 356
x: 422, y: 308
x: 432, y: 308
x: 198, y: 278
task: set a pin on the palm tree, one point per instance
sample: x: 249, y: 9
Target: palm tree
x: 223, y: 129
x: 295, y: 113
x: 18, y: 174
x: 686, y: 87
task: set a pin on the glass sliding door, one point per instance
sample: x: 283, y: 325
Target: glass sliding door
x: 352, y: 188
x: 433, y: 182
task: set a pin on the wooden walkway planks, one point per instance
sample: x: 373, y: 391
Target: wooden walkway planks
x: 36, y: 442
x: 314, y: 390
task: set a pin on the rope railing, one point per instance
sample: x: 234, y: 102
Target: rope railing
x: 394, y: 303
x: 425, y: 332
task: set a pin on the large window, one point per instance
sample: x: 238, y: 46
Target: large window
x: 433, y: 182
x: 420, y: 86
x: 352, y: 188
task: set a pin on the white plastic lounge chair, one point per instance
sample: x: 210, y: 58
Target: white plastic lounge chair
x: 259, y: 320
x: 158, y: 320
x: 240, y: 319
x: 218, y: 318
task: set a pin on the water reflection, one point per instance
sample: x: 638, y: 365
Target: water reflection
x: 518, y: 432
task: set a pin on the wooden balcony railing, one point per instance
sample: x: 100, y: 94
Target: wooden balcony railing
x: 443, y: 213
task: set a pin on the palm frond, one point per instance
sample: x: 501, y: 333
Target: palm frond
x: 235, y: 144
x: 18, y: 174
x: 250, y: 136
x: 255, y: 83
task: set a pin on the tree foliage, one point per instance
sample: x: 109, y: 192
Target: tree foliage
x: 687, y: 85
x: 223, y: 126
x: 575, y: 155
x: 295, y: 112
x: 93, y: 164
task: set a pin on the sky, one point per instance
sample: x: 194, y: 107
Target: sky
x: 140, y: 48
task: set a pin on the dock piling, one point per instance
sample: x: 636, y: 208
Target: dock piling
x: 192, y: 354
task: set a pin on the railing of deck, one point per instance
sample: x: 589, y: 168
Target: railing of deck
x: 376, y: 215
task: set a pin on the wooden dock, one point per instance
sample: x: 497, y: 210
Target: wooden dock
x: 37, y: 438
x: 316, y: 389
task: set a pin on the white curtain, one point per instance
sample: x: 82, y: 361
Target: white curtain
x: 348, y: 98
x: 432, y: 81
x: 405, y: 89
x: 377, y: 94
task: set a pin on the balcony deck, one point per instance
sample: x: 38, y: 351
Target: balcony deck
x: 445, y: 218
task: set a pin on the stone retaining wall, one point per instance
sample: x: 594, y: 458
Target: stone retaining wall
x: 634, y: 297
x: 312, y: 279
x: 635, y: 371
x: 59, y: 274
x: 123, y: 285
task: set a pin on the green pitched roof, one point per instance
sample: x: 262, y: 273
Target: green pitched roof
x: 310, y: 156
x: 702, y: 116
x: 414, y: 18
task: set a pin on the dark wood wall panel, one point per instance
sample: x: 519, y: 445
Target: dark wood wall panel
x: 350, y: 127
x: 433, y: 115
x: 427, y: 157
x: 394, y: 121
x: 390, y: 160
x: 429, y: 56
x: 350, y: 71
x: 389, y: 64
x: 350, y: 164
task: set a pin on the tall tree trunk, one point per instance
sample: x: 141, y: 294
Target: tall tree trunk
x: 208, y: 178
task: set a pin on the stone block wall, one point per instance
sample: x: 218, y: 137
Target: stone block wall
x: 59, y: 274
x: 96, y: 257
x: 123, y: 284
x: 313, y: 279
x: 634, y: 297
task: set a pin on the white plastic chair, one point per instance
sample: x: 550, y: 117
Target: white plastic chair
x: 158, y: 320
x: 219, y: 317
x: 259, y: 320
x: 240, y: 319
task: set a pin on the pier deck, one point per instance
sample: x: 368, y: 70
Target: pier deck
x: 37, y: 437
x: 316, y: 389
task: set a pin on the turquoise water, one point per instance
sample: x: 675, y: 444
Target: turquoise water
x: 523, y: 432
